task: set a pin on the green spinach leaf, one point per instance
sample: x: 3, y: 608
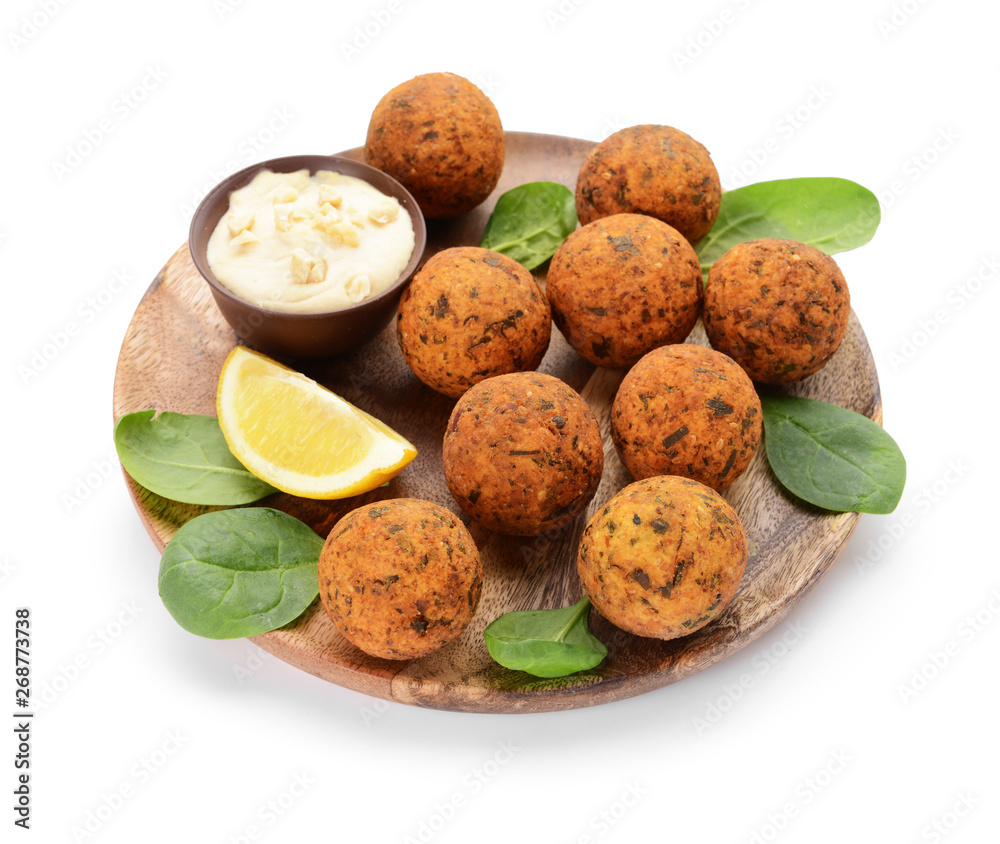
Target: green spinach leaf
x: 832, y: 457
x: 184, y: 457
x: 530, y: 221
x: 833, y: 215
x: 545, y: 643
x: 236, y: 573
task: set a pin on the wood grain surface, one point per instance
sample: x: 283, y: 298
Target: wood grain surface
x: 170, y: 360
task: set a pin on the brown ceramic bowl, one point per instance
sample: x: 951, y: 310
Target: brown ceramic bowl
x: 316, y: 335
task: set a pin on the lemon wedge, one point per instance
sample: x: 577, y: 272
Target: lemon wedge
x: 300, y: 437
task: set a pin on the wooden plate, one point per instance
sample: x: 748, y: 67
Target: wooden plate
x: 170, y: 360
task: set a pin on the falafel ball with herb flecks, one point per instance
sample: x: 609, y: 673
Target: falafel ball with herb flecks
x: 654, y: 170
x: 779, y: 308
x: 687, y: 410
x: 442, y: 138
x: 470, y: 314
x: 623, y: 285
x: 522, y: 453
x: 663, y: 557
x: 400, y: 578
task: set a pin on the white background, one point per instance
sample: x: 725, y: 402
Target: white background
x: 869, y: 715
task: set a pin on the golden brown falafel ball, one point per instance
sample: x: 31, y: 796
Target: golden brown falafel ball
x: 400, y: 578
x: 623, y: 285
x: 663, y: 558
x: 654, y: 170
x: 522, y: 453
x: 469, y: 314
x: 686, y: 410
x: 441, y: 137
x: 779, y: 308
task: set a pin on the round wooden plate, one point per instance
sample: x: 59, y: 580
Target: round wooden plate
x: 170, y: 360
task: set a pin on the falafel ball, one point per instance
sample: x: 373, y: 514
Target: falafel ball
x: 623, y: 285
x: 400, y: 578
x: 654, y: 170
x: 441, y: 137
x: 663, y: 558
x: 469, y: 314
x: 686, y: 410
x: 779, y: 308
x: 522, y: 453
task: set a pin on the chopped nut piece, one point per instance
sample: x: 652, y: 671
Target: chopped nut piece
x: 358, y: 287
x: 282, y: 217
x: 384, y: 212
x: 239, y: 221
x: 285, y: 194
x: 317, y: 273
x: 356, y: 217
x: 327, y: 219
x: 328, y: 193
x: 244, y: 237
x: 346, y: 232
x: 302, y: 266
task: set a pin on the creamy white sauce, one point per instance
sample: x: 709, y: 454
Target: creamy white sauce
x: 310, y: 243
